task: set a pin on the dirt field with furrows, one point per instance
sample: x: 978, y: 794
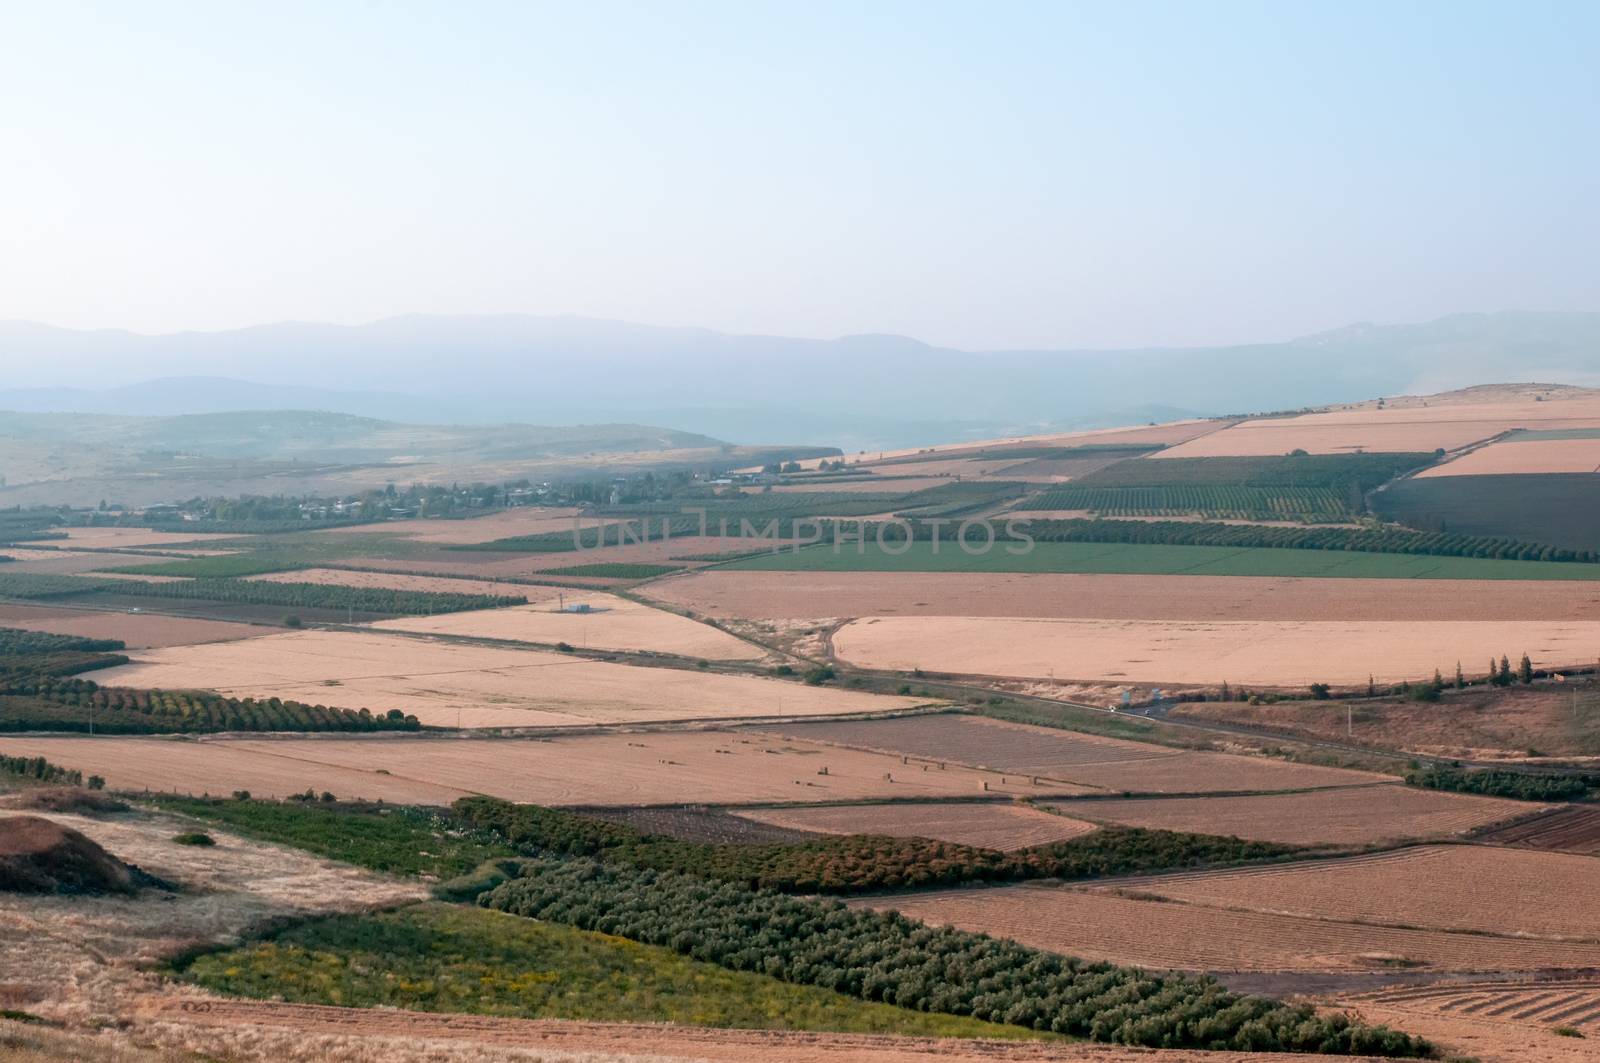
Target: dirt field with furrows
x: 449, y: 684
x: 1505, y: 1022
x: 730, y: 594
x: 987, y: 826
x: 1471, y: 888
x: 1285, y: 654
x: 1571, y: 829
x: 1356, y: 816
x: 1089, y: 760
x: 611, y: 624
x: 399, y: 581
x: 1163, y: 935
x: 620, y: 1043
x: 1474, y: 724
x: 1523, y: 456
x: 138, y: 630
x: 669, y: 768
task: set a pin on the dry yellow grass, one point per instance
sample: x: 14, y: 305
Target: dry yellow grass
x: 405, y: 581
x: 988, y: 826
x: 1356, y: 816
x: 1178, y: 652
x: 679, y: 767
x: 612, y: 624
x: 446, y: 684
x: 1527, y: 456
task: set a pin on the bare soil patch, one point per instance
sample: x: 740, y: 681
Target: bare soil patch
x: 1279, y: 654
x: 1088, y: 760
x: 987, y: 825
x: 1472, y: 888
x: 138, y: 631
x: 41, y: 856
x: 445, y: 684
x: 1152, y: 933
x: 1570, y: 829
x: 588, y: 620
x: 665, y: 768
x: 726, y: 593
x: 1356, y: 816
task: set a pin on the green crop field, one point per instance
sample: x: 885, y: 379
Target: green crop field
x: 445, y: 958
x: 1147, y: 559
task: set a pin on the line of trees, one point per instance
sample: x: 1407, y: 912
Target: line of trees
x: 1234, y: 501
x: 314, y: 595
x: 1525, y: 786
x: 857, y: 863
x: 887, y: 957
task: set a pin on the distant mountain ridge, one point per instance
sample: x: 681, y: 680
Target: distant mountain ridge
x: 859, y: 392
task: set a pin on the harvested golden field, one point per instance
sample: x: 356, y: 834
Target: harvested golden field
x: 494, y: 564
x: 1500, y: 1021
x: 726, y: 593
x: 1407, y: 429
x: 612, y: 624
x: 115, y: 538
x: 1100, y: 925
x: 1475, y: 724
x: 138, y: 631
x: 444, y: 684
x: 400, y: 581
x: 1088, y: 760
x: 666, y: 768
x: 1258, y: 653
x: 1470, y: 888
x: 74, y: 562
x: 1523, y: 456
x: 987, y: 826
x: 1168, y: 434
x: 1360, y: 815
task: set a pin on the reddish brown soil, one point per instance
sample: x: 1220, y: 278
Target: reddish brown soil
x: 138, y: 631
x: 1572, y: 829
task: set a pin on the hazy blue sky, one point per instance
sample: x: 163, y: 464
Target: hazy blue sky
x: 983, y: 174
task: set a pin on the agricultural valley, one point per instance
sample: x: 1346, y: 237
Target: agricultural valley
x: 330, y: 738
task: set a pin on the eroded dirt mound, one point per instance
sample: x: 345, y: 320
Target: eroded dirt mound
x: 38, y: 856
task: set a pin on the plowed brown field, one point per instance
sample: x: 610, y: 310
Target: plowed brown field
x: 1356, y: 816
x: 1471, y: 888
x: 796, y: 595
x: 449, y: 684
x: 671, y: 768
x: 987, y: 826
x: 1573, y: 829
x: 1493, y: 1022
x: 1276, y: 653
x: 1150, y: 933
x: 1089, y: 760
x: 138, y: 630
